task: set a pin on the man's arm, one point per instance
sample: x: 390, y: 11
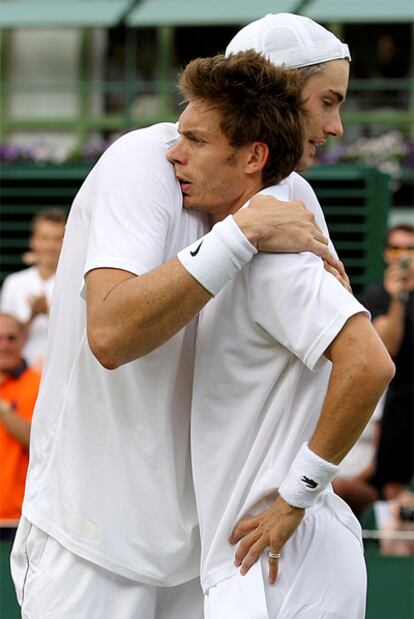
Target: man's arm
x: 390, y: 325
x: 361, y: 372
x: 17, y: 426
x: 130, y: 316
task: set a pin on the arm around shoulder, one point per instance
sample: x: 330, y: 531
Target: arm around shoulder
x: 128, y: 316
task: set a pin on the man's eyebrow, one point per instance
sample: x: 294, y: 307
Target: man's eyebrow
x: 339, y: 96
x: 192, y: 133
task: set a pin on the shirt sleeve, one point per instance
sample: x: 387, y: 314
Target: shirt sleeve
x: 299, y: 303
x: 135, y: 197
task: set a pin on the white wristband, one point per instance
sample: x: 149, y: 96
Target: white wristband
x: 215, y: 258
x: 307, y: 477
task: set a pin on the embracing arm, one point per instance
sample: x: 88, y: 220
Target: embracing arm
x: 361, y: 372
x: 129, y: 316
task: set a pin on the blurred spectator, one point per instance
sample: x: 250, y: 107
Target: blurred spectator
x: 396, y: 516
x: 27, y: 294
x: 19, y: 385
x: 391, y: 306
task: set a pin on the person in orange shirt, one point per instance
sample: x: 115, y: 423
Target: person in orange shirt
x: 19, y: 386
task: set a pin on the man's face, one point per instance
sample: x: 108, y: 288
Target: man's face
x: 210, y: 171
x: 11, y: 344
x: 46, y: 242
x: 400, y: 245
x: 324, y: 94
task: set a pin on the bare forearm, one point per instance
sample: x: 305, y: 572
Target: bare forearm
x: 361, y: 372
x: 14, y: 424
x: 141, y: 313
x: 390, y: 326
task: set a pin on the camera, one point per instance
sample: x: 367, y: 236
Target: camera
x: 405, y: 263
x: 407, y: 513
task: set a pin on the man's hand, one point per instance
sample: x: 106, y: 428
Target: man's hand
x: 38, y: 305
x: 337, y: 269
x: 271, y: 529
x: 275, y: 226
x: 396, y: 279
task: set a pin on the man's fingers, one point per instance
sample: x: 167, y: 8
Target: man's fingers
x: 245, y: 545
x: 339, y: 273
x: 321, y: 238
x: 321, y: 249
x: 242, y: 528
x: 273, y: 566
x: 253, y: 554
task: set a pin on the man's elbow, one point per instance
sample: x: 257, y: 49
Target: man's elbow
x: 111, y: 351
x: 102, y: 345
x: 378, y: 367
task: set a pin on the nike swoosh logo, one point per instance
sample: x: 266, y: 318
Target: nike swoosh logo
x: 196, y: 250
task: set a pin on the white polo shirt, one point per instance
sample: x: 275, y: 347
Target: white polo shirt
x: 260, y: 382
x: 110, y: 473
x: 16, y: 293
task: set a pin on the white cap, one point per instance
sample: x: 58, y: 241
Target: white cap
x: 289, y: 40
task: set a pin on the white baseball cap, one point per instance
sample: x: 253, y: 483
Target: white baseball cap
x: 289, y: 40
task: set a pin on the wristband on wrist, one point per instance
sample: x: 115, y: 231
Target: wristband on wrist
x: 307, y: 477
x: 215, y: 258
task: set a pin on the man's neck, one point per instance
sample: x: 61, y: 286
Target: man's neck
x: 46, y: 271
x: 13, y: 373
x: 247, y: 194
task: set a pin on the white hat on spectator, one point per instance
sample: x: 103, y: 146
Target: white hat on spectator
x: 289, y: 40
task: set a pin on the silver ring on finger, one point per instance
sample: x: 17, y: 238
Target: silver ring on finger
x: 274, y: 555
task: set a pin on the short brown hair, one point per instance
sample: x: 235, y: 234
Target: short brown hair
x: 257, y: 101
x: 403, y: 227
x: 54, y: 215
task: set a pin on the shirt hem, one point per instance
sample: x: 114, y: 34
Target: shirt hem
x: 108, y: 564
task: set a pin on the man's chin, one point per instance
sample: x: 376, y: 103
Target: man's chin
x: 188, y: 203
x: 304, y: 164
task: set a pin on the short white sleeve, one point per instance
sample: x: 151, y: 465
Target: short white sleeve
x: 299, y: 304
x: 135, y: 198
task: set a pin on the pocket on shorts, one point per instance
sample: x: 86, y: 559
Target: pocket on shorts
x: 27, y: 555
x: 238, y: 597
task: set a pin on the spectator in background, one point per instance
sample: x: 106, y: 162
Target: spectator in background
x: 391, y: 306
x: 19, y: 385
x: 28, y: 293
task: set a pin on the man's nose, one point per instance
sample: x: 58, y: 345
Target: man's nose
x: 175, y: 154
x: 335, y: 127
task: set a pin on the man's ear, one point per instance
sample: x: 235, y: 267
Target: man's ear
x: 257, y: 157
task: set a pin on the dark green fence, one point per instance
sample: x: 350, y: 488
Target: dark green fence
x: 25, y: 190
x: 356, y: 201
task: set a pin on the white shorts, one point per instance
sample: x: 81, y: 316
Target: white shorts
x: 321, y: 575
x: 53, y: 583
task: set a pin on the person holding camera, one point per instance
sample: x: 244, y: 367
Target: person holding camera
x: 391, y: 307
